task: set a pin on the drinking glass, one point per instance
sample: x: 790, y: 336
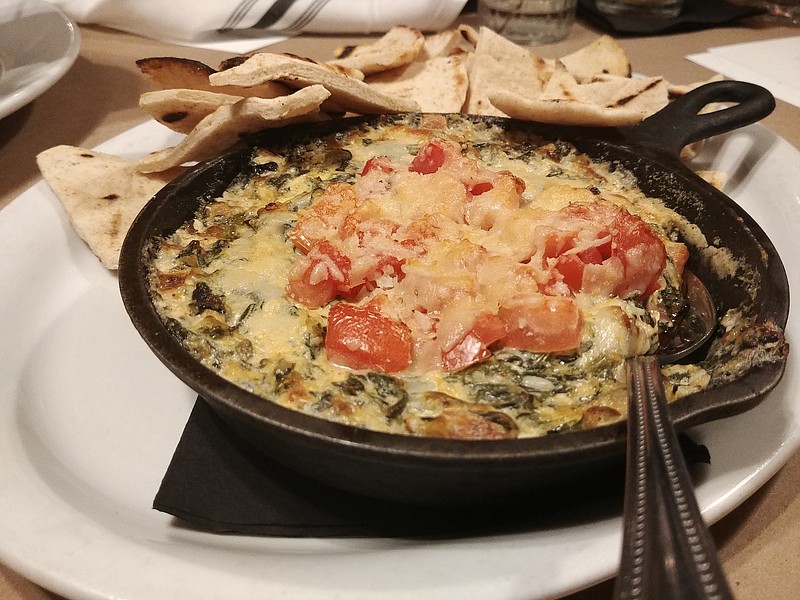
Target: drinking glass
x: 529, y: 21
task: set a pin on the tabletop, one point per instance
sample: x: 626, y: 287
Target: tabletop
x: 98, y: 99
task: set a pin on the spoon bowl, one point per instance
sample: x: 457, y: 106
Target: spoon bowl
x: 696, y: 324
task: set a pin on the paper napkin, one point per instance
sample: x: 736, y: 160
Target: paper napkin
x: 217, y: 482
x: 773, y: 64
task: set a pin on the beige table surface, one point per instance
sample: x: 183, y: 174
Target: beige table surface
x: 759, y: 542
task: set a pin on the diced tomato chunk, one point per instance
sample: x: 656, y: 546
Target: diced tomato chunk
x: 596, y: 254
x: 319, y: 276
x: 328, y: 212
x: 360, y: 337
x: 468, y: 351
x: 474, y: 346
x: 309, y: 294
x: 391, y: 265
x: 489, y: 328
x: 429, y: 159
x: 480, y: 188
x: 571, y: 268
x: 519, y: 183
x: 325, y: 248
x: 554, y: 242
x: 679, y: 254
x: 628, y: 265
x: 550, y: 324
x: 642, y: 253
x: 378, y: 163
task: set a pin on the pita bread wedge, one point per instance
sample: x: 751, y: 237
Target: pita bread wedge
x: 675, y: 89
x: 170, y: 72
x: 225, y: 126
x: 348, y: 93
x: 438, y: 85
x: 181, y: 110
x: 397, y: 47
x: 469, y: 33
x: 165, y: 72
x: 444, y: 43
x: 564, y: 112
x: 648, y: 93
x: 716, y: 178
x: 602, y: 56
x: 100, y: 193
x: 608, y: 100
x: 340, y: 69
x: 690, y: 151
x: 498, y: 63
x: 561, y: 85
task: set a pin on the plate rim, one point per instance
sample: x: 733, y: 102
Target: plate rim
x: 22, y: 95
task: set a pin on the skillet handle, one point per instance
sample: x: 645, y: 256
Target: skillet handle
x: 679, y: 123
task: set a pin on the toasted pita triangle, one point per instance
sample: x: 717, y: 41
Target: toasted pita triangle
x: 397, y: 47
x: 501, y: 64
x: 675, y: 89
x: 180, y: 109
x: 608, y: 91
x: 565, y: 112
x: 469, y: 34
x: 444, y: 43
x: 170, y: 72
x: 603, y: 55
x: 438, y: 85
x: 101, y: 194
x: 347, y: 92
x: 561, y: 85
x: 605, y: 100
x: 648, y: 94
x: 225, y: 126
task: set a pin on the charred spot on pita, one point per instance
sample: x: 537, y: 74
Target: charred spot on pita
x: 174, y: 117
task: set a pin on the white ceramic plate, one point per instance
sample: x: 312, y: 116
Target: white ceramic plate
x: 38, y: 44
x: 89, y: 419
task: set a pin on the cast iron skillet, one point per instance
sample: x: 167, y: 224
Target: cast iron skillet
x: 437, y: 471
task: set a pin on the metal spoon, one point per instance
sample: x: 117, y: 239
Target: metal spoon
x: 667, y: 551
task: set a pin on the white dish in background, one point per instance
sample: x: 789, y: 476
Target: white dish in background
x: 89, y: 419
x: 38, y: 45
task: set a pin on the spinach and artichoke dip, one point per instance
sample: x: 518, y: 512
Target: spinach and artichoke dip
x: 432, y: 276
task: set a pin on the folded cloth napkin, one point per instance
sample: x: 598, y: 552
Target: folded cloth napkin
x: 195, y: 19
x: 216, y: 482
x: 696, y: 14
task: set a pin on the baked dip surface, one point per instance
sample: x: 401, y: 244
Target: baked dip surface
x: 430, y: 275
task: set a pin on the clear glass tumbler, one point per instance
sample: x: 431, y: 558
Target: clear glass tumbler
x: 529, y: 21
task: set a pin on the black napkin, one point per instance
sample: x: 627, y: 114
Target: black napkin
x: 217, y: 482
x: 696, y: 14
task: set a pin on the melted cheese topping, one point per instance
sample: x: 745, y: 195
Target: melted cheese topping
x: 220, y: 282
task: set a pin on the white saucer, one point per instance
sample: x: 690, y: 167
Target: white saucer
x: 38, y: 44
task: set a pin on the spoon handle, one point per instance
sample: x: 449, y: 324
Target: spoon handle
x: 667, y: 549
